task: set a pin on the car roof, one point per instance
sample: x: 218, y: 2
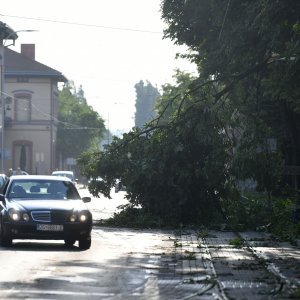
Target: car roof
x: 39, y: 177
x: 65, y: 172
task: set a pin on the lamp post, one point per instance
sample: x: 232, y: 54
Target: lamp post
x: 6, y: 33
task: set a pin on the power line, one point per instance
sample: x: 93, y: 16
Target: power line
x: 82, y: 24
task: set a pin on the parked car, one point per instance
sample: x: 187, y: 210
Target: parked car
x: 97, y: 179
x: 44, y: 207
x: 19, y: 172
x: 68, y: 174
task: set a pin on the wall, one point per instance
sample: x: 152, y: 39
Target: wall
x: 34, y: 134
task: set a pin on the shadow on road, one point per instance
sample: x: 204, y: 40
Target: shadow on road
x: 158, y: 265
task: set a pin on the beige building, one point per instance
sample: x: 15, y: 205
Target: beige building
x: 30, y: 112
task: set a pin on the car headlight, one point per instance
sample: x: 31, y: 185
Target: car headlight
x: 73, y: 218
x: 25, y: 217
x: 15, y: 215
x: 83, y: 217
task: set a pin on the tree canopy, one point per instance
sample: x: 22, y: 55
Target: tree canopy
x: 238, y: 119
x: 252, y: 49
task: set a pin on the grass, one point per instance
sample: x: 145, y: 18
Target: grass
x: 237, y: 242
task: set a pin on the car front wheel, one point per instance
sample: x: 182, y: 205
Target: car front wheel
x: 85, y: 243
x: 5, y: 240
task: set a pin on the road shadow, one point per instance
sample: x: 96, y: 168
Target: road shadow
x: 150, y: 264
x: 133, y: 273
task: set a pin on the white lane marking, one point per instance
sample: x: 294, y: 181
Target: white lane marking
x: 44, y: 273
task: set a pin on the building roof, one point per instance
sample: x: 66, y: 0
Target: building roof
x: 17, y: 64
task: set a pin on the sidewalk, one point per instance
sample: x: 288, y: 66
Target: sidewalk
x: 254, y: 267
x: 207, y: 264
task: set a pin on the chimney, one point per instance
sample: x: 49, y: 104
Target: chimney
x: 28, y: 50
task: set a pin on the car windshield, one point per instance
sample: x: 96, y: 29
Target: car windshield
x: 42, y: 189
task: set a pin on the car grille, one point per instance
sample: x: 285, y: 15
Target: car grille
x: 49, y: 216
x: 59, y: 216
x: 41, y: 216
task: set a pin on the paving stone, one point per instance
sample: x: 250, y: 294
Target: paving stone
x: 232, y: 271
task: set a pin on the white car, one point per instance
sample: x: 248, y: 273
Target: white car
x: 68, y: 174
x: 19, y: 172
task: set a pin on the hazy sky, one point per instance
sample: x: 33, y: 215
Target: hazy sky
x: 107, y: 46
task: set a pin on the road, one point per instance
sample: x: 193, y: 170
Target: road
x: 114, y: 268
x: 150, y: 264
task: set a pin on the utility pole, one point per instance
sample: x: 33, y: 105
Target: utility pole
x: 6, y: 33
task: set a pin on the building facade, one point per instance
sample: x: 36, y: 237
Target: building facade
x: 30, y: 112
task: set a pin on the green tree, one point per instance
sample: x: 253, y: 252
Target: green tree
x: 80, y: 96
x: 175, y: 170
x: 238, y: 119
x: 77, y: 121
x: 252, y: 48
x: 169, y: 102
x: 146, y: 96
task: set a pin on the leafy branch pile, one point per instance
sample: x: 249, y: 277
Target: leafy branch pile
x: 236, y: 125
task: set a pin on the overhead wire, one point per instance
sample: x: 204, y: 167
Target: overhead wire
x: 76, y: 24
x: 82, y: 24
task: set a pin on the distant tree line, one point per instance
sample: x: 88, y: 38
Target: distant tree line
x: 79, y: 127
x: 146, y: 96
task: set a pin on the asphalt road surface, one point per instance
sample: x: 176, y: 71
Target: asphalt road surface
x: 151, y: 264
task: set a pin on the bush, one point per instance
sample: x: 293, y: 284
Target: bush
x: 134, y: 218
x: 258, y: 212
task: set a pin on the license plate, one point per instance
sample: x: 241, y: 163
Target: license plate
x: 48, y: 227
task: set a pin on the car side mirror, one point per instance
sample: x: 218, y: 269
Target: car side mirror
x: 86, y: 199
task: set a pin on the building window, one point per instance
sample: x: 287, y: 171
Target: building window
x: 22, y: 107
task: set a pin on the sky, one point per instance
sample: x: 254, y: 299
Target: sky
x: 105, y: 46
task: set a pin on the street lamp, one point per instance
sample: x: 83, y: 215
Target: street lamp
x: 6, y: 33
